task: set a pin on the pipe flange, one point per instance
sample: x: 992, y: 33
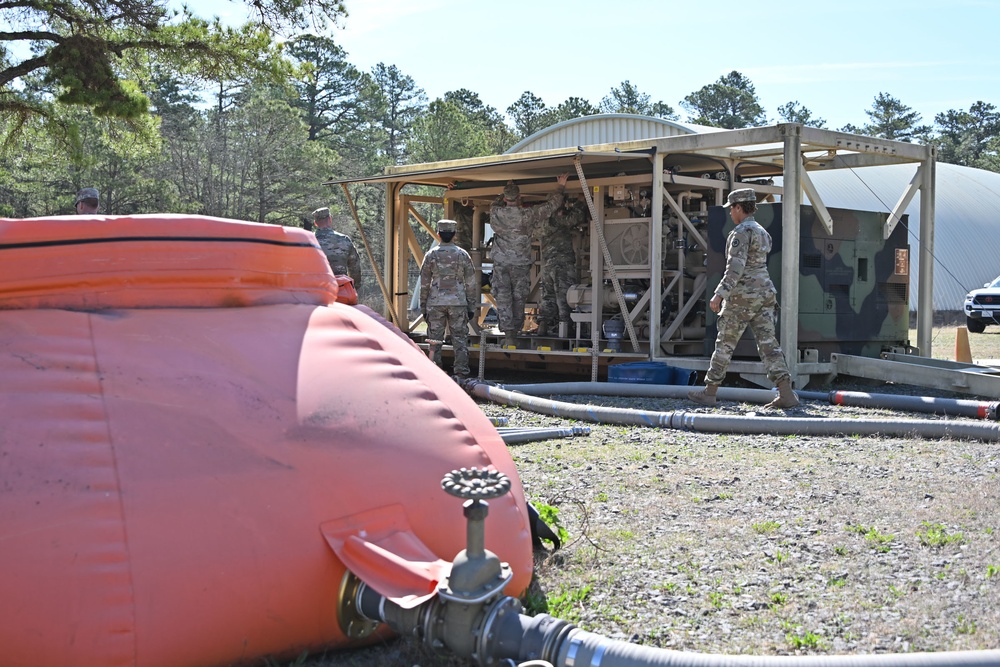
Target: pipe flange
x: 490, y: 635
x: 353, y: 623
x: 476, y: 484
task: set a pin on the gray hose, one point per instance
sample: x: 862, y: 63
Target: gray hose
x: 955, y: 407
x: 585, y: 648
x: 543, y: 639
x: 939, y: 406
x: 709, y: 423
x: 517, y: 436
x: 637, y: 389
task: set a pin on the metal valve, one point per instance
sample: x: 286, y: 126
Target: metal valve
x: 476, y: 484
x: 476, y: 573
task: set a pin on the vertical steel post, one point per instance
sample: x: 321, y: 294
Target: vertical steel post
x: 396, y: 228
x: 656, y: 258
x: 791, y: 201
x: 925, y: 278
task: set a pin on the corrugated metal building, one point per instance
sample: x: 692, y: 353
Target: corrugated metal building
x: 966, y: 222
x: 606, y: 128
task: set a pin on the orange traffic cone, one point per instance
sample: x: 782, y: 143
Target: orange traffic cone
x: 962, y: 351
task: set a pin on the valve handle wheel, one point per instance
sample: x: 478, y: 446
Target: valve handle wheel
x: 476, y: 484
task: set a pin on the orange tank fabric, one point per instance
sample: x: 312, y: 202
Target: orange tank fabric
x: 158, y: 261
x: 167, y: 473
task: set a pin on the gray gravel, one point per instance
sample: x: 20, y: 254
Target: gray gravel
x: 761, y: 544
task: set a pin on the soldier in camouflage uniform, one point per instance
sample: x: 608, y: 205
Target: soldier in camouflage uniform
x: 746, y: 296
x: 513, y: 226
x: 463, y: 217
x: 449, y: 296
x: 88, y: 201
x: 338, y: 248
x: 559, y: 270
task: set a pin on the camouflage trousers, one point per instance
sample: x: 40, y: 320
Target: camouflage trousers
x: 455, y: 318
x: 739, y: 312
x: 557, y: 277
x: 509, y: 286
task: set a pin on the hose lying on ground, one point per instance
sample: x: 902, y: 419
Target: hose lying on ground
x: 516, y: 436
x: 955, y: 407
x: 506, y: 636
x: 710, y: 423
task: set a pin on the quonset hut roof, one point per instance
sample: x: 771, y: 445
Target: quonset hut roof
x: 965, y: 222
x: 608, y: 128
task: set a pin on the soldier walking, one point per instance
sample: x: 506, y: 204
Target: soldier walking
x: 449, y: 296
x: 559, y: 269
x: 513, y: 227
x: 338, y: 248
x: 746, y: 297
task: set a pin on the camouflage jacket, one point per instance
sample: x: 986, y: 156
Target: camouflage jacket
x: 448, y: 278
x: 555, y: 233
x: 514, y: 226
x: 746, y: 261
x: 340, y: 252
x: 463, y: 233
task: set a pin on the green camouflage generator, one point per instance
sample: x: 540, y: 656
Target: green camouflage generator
x: 854, y: 286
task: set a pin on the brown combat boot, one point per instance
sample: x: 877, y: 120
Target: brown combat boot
x: 786, y: 397
x: 704, y: 396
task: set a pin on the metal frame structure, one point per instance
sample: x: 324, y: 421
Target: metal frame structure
x: 737, y: 158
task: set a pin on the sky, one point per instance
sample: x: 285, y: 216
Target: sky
x: 832, y: 57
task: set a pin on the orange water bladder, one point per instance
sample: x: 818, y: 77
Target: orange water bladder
x: 186, y: 416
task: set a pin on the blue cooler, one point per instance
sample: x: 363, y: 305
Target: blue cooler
x: 650, y: 372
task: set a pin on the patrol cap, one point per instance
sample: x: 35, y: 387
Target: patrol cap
x: 511, y: 191
x: 447, y: 226
x: 741, y: 195
x: 87, y: 193
x: 321, y: 213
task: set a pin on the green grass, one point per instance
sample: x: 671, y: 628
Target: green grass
x: 983, y: 346
x: 965, y: 625
x: 878, y: 540
x: 534, y: 600
x: 550, y: 515
x: 779, y: 557
x: 936, y: 536
x: 765, y: 527
x: 566, y: 604
x: 669, y: 587
x: 806, y: 640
